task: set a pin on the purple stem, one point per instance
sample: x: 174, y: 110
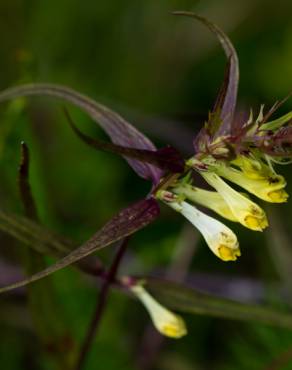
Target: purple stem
x: 101, y: 303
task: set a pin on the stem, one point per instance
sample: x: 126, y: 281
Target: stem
x: 101, y: 303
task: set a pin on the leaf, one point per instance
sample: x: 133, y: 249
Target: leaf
x: 275, y: 107
x: 125, y: 223
x: 29, y: 232
x: 166, y: 158
x: 43, y: 241
x: 24, y: 186
x: 277, y: 123
x: 48, y: 316
x: 223, y: 90
x: 227, y: 97
x: 120, y: 131
x: 182, y: 298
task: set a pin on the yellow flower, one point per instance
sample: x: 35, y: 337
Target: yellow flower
x: 165, y: 321
x: 269, y: 188
x: 247, y: 212
x: 252, y: 168
x: 221, y: 240
x: 206, y: 198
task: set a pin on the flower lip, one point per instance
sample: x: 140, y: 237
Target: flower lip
x: 228, y: 254
x: 278, y: 196
x: 254, y: 223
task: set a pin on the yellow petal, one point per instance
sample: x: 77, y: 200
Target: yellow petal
x: 228, y: 254
x: 247, y: 212
x: 216, y: 234
x: 206, y: 198
x: 165, y: 321
x: 269, y: 188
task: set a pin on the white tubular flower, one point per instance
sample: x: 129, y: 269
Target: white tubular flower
x: 247, y: 212
x: 269, y: 188
x: 165, y: 321
x: 206, y: 198
x: 221, y: 240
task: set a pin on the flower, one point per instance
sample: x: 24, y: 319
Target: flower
x: 221, y: 240
x: 252, y: 167
x: 228, y: 145
x: 269, y: 187
x: 206, y: 198
x: 247, y: 212
x: 165, y: 321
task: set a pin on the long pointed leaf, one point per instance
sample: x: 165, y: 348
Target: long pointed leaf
x: 120, y: 131
x: 48, y: 316
x: 182, y: 298
x: 166, y: 158
x: 37, y: 237
x: 43, y: 240
x: 221, y: 97
x: 229, y: 88
x: 24, y: 185
x: 123, y: 224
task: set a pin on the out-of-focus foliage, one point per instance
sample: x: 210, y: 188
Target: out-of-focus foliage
x: 141, y: 61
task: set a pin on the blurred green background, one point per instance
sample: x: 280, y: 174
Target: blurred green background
x: 161, y: 73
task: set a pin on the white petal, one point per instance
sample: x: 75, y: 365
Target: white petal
x: 221, y: 240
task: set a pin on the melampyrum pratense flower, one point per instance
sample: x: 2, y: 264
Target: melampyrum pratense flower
x: 228, y: 148
x: 234, y: 149
x: 242, y: 151
x: 166, y: 322
x: 221, y: 240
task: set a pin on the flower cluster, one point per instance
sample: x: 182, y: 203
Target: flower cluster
x: 244, y: 157
x: 228, y: 150
x: 241, y: 151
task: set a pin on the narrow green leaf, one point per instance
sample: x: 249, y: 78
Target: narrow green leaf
x: 43, y: 240
x: 277, y: 123
x: 185, y: 299
x: 24, y: 186
x: 47, y: 314
x: 36, y: 236
x: 125, y: 223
